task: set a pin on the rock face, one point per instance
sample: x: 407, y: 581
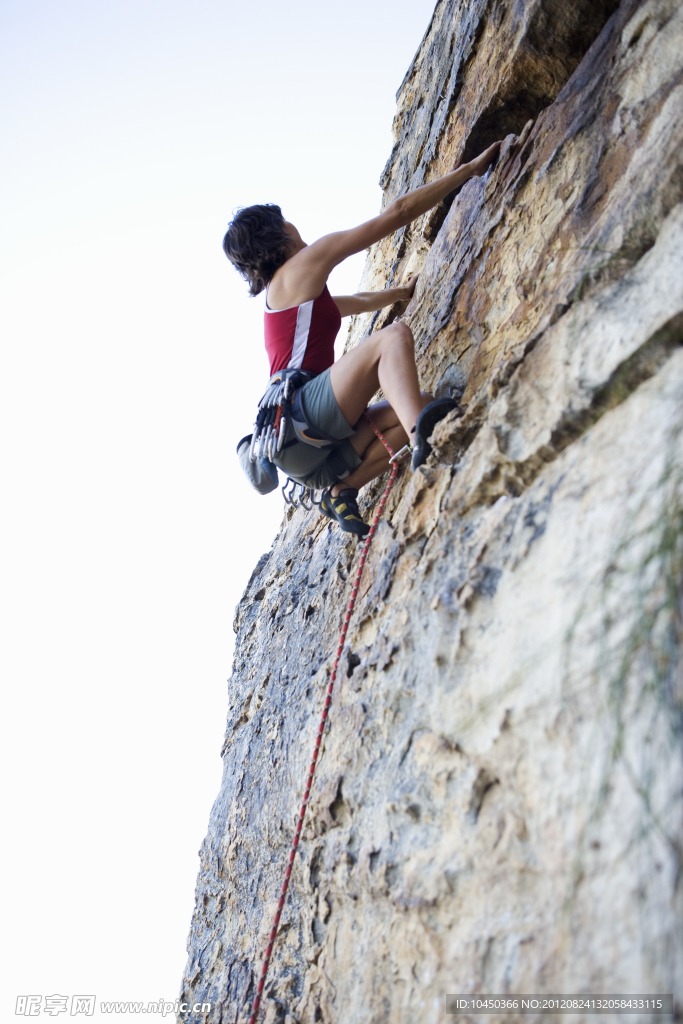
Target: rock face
x: 498, y: 805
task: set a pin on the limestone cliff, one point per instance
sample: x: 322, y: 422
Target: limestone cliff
x: 498, y: 801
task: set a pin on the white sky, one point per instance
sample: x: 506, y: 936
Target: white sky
x: 130, y: 365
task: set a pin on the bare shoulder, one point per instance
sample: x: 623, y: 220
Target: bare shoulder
x: 298, y: 280
x: 305, y: 274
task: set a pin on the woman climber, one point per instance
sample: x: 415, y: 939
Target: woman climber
x: 311, y: 423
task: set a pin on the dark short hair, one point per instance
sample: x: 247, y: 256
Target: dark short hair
x: 256, y: 243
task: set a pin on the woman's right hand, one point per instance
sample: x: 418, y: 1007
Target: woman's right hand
x: 409, y: 287
x: 304, y: 274
x: 481, y: 163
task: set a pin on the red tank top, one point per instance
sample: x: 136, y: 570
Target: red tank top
x: 302, y: 337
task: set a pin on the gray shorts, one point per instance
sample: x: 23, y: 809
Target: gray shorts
x: 320, y: 467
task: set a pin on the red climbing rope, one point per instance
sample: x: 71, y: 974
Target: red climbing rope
x: 321, y: 726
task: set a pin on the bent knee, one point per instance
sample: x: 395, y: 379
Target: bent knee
x: 398, y: 331
x: 404, y: 332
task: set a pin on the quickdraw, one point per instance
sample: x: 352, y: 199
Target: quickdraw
x: 394, y: 459
x: 295, y: 499
x: 272, y: 417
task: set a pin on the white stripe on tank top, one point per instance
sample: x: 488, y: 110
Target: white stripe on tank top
x: 303, y: 326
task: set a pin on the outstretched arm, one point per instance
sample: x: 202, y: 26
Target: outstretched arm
x: 308, y: 270
x: 368, y: 302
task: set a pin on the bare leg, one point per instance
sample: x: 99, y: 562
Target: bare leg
x: 370, y: 448
x: 386, y: 359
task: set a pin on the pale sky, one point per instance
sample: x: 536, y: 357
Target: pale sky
x: 131, y: 362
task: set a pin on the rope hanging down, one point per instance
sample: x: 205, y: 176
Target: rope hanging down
x: 323, y: 718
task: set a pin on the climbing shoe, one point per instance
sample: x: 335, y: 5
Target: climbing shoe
x: 426, y: 421
x: 344, y: 510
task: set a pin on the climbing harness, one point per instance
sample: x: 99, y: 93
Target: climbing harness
x: 274, y: 410
x: 281, y: 421
x: 394, y: 458
x: 281, y: 406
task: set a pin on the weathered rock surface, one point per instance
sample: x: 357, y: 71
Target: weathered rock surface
x: 498, y: 801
